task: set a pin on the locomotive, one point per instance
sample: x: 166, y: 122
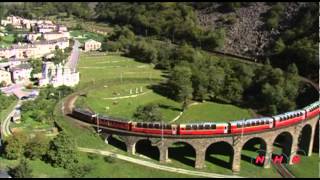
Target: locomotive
x: 206, y: 128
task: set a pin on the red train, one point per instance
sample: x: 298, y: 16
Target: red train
x: 207, y: 128
x: 251, y: 125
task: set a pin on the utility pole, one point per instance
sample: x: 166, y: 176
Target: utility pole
x: 242, y: 129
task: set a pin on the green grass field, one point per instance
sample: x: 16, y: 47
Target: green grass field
x: 6, y: 41
x: 99, y: 169
x: 82, y: 36
x: 112, y: 76
x: 308, y: 167
x: 210, y: 111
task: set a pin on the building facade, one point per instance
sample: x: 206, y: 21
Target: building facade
x: 91, y: 45
x: 58, y: 75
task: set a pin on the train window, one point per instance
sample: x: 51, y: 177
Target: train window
x: 201, y: 126
x: 213, y: 126
x: 157, y: 126
x: 150, y: 125
x: 145, y: 125
x: 253, y: 123
x: 194, y: 127
x: 188, y: 127
x: 207, y: 126
x: 139, y: 125
x: 168, y: 126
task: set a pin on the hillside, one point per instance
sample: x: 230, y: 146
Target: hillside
x: 246, y: 33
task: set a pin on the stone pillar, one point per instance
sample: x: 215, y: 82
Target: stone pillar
x: 313, y: 131
x: 200, y: 157
x: 236, y: 160
x: 130, y: 144
x: 268, y: 155
x: 163, y: 155
x: 131, y: 148
x: 294, y: 147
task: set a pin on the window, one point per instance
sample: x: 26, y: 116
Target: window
x: 150, y: 126
x: 157, y: 126
x: 207, y: 126
x: 168, y: 126
x: 139, y: 125
x: 213, y: 126
x: 201, y: 126
x: 145, y: 125
x: 188, y: 127
x: 194, y: 127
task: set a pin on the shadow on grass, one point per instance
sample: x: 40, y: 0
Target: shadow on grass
x: 115, y: 142
x: 183, y: 153
x: 145, y: 148
x: 220, y: 149
x: 162, y: 89
x: 169, y: 107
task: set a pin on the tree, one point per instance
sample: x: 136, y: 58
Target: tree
x: 79, y: 171
x: 59, y: 56
x: 63, y: 151
x: 279, y: 46
x: 216, y: 81
x: 37, y: 147
x: 149, y: 113
x: 233, y: 90
x: 14, y: 146
x: 36, y: 65
x: 181, y: 84
x: 23, y: 170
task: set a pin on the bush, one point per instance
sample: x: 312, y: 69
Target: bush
x: 109, y: 159
x: 92, y: 156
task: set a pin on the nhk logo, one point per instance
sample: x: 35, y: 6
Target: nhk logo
x: 276, y: 159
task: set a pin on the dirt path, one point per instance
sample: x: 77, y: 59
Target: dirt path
x: 156, y: 166
x: 124, y: 97
x: 176, y: 118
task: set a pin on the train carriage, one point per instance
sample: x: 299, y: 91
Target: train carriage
x: 289, y: 118
x: 154, y: 128
x: 312, y: 110
x: 251, y: 125
x: 113, y: 123
x: 82, y: 115
x: 208, y: 128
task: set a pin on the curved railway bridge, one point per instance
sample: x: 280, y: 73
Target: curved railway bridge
x: 293, y: 139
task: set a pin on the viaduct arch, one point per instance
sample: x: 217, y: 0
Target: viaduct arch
x: 201, y: 144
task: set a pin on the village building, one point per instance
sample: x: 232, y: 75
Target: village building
x: 61, y: 28
x: 31, y: 37
x: 58, y: 75
x: 91, y: 45
x: 5, y: 77
x: 21, y: 74
x: 55, y: 35
x: 35, y: 50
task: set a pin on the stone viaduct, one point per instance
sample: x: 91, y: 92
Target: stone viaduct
x: 295, y: 139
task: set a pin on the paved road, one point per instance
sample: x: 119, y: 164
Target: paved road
x: 5, y: 127
x: 74, y: 57
x: 156, y: 166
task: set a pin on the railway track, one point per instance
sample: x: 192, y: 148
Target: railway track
x: 283, y: 171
